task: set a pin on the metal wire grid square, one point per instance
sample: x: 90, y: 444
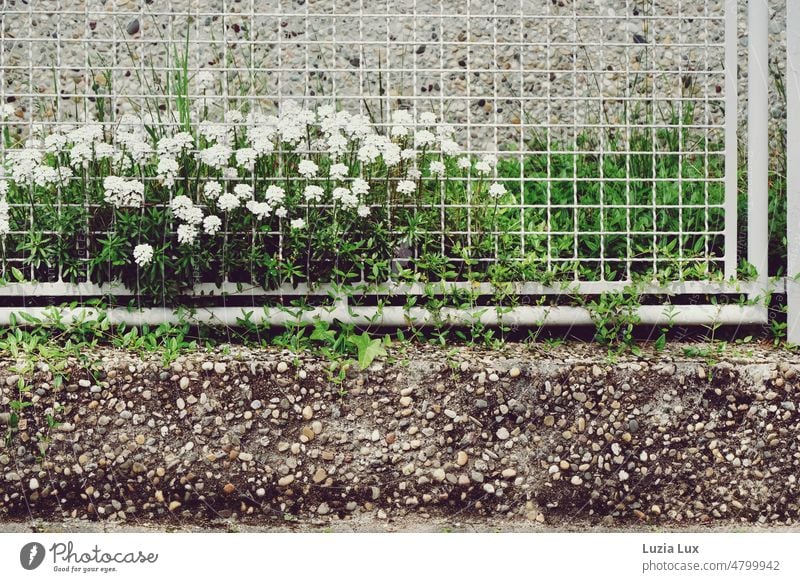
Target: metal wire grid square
x: 609, y: 120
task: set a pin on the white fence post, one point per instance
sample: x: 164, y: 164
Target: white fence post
x: 792, y: 169
x: 758, y: 137
x: 731, y: 138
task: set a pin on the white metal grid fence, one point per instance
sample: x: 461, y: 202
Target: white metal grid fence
x: 616, y: 122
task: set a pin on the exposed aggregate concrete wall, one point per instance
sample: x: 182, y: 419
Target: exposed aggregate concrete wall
x: 527, y: 437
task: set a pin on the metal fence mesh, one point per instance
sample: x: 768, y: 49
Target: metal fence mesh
x: 608, y: 118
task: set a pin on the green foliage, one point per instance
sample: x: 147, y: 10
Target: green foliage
x: 368, y: 349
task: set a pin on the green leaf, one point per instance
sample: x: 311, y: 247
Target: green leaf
x: 368, y: 349
x: 17, y: 274
x: 323, y: 335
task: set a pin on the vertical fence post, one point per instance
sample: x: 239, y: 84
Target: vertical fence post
x: 792, y: 169
x: 731, y: 137
x: 758, y: 138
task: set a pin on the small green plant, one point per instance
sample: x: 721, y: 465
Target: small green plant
x: 368, y: 349
x: 615, y: 316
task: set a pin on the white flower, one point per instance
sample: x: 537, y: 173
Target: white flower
x: 406, y: 187
x: 138, y: 150
x: 408, y: 154
x: 483, y: 167
x: 391, y: 154
x: 216, y: 156
x: 246, y: 158
x: 424, y: 138
x: 219, y: 133
x: 437, y: 168
x: 274, y: 195
x: 281, y: 212
x: 359, y: 187
x: 497, y: 190
x: 64, y: 174
x: 363, y: 211
x: 345, y: 197
x: 3, y: 187
x: 445, y: 131
x: 402, y: 121
x: 104, y: 151
x: 193, y: 215
x: 243, y: 191
x: 54, y: 143
x: 167, y: 171
x: 80, y: 155
x: 337, y: 145
x: 180, y: 203
x: 313, y: 193
x: 464, y: 163
x: 359, y: 127
x: 87, y: 133
x: 44, y: 176
x: 260, y: 138
x: 5, y: 226
x: 211, y: 224
x: 335, y: 123
x: 142, y: 254
x: 7, y: 110
x: 187, y: 234
x: 228, y: 201
x: 184, y: 209
x: 490, y: 159
x: 298, y: 224
x: 427, y: 118
x: 292, y: 126
x: 450, y: 148
x: 308, y: 169
x: 368, y: 153
x: 172, y: 146
x: 260, y: 210
x: 326, y: 111
x: 233, y: 117
x: 212, y: 189
x: 338, y: 171
x: 122, y: 192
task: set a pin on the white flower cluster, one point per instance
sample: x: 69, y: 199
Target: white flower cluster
x: 26, y: 167
x: 333, y: 152
x: 6, y: 111
x: 172, y: 146
x: 274, y: 198
x: 167, y: 171
x: 123, y: 192
x: 192, y: 215
x: 88, y: 145
x: 217, y: 156
x: 5, y: 226
x: 131, y: 139
x: 142, y: 254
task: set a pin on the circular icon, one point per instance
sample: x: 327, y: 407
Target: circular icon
x: 31, y: 555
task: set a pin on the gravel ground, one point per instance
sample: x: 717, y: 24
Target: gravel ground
x: 295, y: 55
x: 525, y: 438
